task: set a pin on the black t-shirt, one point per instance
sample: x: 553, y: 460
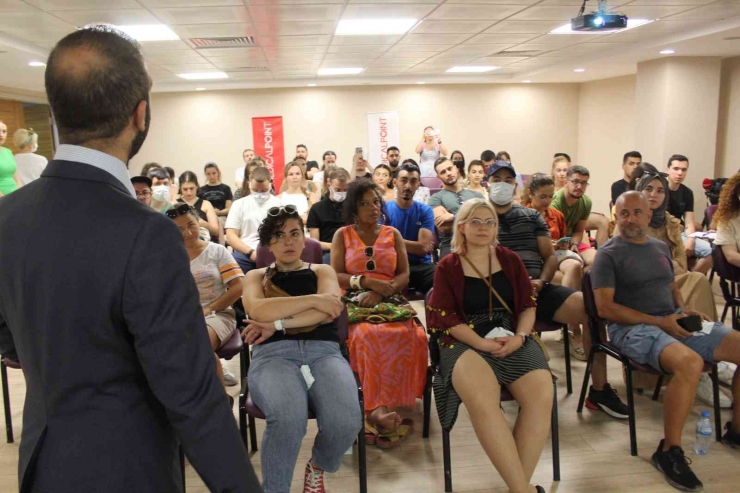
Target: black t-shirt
x: 618, y: 188
x: 311, y: 165
x: 680, y: 202
x: 367, y: 175
x: 217, y: 195
x: 326, y: 216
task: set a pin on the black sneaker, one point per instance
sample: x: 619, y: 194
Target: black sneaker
x: 675, y: 467
x: 540, y: 489
x: 731, y: 438
x: 608, y: 401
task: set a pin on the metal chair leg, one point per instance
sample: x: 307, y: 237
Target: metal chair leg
x: 427, y: 404
x: 243, y: 426
x: 6, y: 402
x: 555, y: 434
x: 631, y: 406
x: 447, y: 460
x: 717, y: 412
x: 658, y: 385
x: 568, y: 378
x: 181, y: 453
x: 724, y: 314
x: 253, y: 434
x: 586, y: 378
x: 361, y: 448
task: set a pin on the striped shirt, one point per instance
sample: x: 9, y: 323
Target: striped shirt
x: 100, y: 160
x: 213, y: 270
x: 518, y: 230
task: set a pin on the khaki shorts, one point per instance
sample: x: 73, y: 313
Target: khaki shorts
x: 223, y: 324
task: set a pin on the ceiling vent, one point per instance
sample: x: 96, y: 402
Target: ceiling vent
x: 223, y: 42
x: 515, y: 52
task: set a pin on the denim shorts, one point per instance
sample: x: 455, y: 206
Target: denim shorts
x: 644, y: 343
x: 702, y: 248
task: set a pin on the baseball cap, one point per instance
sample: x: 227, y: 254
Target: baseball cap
x: 500, y: 164
x: 142, y: 179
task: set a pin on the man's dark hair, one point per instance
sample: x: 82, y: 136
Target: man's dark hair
x: 630, y: 154
x: 328, y: 153
x: 171, y: 172
x: 577, y: 170
x: 301, y: 145
x: 441, y: 160
x: 260, y: 174
x: 561, y: 154
x: 393, y: 148
x: 677, y: 157
x: 147, y: 167
x: 355, y: 192
x: 410, y: 161
x: 409, y: 168
x: 487, y: 156
x: 159, y: 173
x: 272, y: 225
x: 95, y: 78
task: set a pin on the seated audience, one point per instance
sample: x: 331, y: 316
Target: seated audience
x: 415, y: 222
x: 311, y: 166
x: 575, y: 205
x: 30, y: 165
x: 382, y: 178
x: 160, y: 189
x: 245, y: 217
x: 559, y: 171
x: 297, y: 363
x: 488, y: 157
x: 143, y: 187
x: 477, y: 177
x: 429, y: 149
x: 215, y: 192
x: 394, y: 158
x: 189, y: 194
x: 635, y: 291
x: 681, y: 206
x: 389, y: 356
x: 459, y: 160
x: 447, y: 202
x: 630, y: 161
x: 329, y: 158
x: 483, y: 314
x: 295, y: 192
x: 325, y: 217
x: 217, y: 276
x: 239, y: 175
x: 727, y: 220
x: 526, y: 233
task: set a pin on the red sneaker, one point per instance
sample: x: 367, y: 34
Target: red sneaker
x: 313, y: 481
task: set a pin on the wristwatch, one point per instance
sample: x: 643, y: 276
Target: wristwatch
x: 524, y: 338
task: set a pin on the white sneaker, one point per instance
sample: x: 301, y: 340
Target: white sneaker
x: 726, y: 371
x: 229, y: 378
x: 705, y: 394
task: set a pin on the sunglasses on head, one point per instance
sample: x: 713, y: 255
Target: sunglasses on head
x: 370, y: 264
x: 286, y: 209
x: 178, y: 211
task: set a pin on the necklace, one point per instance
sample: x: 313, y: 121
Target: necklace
x: 289, y: 270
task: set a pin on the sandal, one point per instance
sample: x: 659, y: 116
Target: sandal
x: 371, y: 434
x: 577, y: 352
x: 396, y: 437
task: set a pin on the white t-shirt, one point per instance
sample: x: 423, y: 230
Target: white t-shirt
x: 729, y: 234
x: 246, y: 216
x: 318, y: 177
x: 297, y: 199
x: 239, y: 174
x: 213, y: 270
x: 30, y: 166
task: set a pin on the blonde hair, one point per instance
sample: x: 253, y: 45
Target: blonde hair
x: 284, y: 185
x: 328, y: 168
x: 23, y: 138
x: 468, y: 208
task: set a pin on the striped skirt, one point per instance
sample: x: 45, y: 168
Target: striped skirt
x: 527, y: 358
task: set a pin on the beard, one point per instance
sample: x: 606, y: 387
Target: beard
x: 633, y: 232
x: 393, y: 164
x: 141, y: 136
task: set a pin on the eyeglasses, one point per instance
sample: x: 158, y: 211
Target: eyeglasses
x: 659, y: 173
x: 178, y: 211
x: 143, y: 194
x: 370, y: 264
x: 287, y: 209
x: 579, y: 183
x: 488, y: 223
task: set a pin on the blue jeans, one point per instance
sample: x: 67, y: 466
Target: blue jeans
x: 702, y: 248
x: 244, y: 262
x: 277, y: 386
x: 326, y: 256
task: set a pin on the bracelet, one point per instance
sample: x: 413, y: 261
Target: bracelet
x: 355, y: 282
x: 279, y: 325
x: 524, y: 338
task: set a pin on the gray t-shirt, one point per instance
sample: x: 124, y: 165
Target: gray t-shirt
x: 451, y: 201
x: 641, y: 274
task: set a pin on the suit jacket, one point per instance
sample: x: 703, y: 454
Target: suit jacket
x: 97, y: 298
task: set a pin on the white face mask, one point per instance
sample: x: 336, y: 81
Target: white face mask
x: 337, y: 196
x: 260, y: 197
x: 501, y: 193
x: 160, y: 193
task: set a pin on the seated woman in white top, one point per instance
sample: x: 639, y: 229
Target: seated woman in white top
x: 295, y: 192
x: 727, y: 220
x: 30, y: 165
x: 217, y: 276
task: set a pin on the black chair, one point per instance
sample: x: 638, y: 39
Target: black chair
x: 249, y: 412
x: 505, y: 397
x: 606, y: 347
x: 540, y: 327
x: 729, y: 277
x: 6, y: 363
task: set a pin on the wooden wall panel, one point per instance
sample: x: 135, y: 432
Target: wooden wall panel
x: 11, y: 113
x: 38, y: 118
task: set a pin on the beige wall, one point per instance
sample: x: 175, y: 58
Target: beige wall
x: 529, y: 121
x: 606, y: 130
x: 728, y: 133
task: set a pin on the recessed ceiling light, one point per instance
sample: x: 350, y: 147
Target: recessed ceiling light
x: 369, y: 27
x: 312, y: 85
x: 150, y: 32
x: 527, y: 81
x: 421, y: 82
x: 471, y: 69
x: 579, y: 70
x: 667, y: 52
x: 200, y: 88
x: 340, y: 71
x: 36, y: 64
x: 204, y: 76
x: 631, y: 24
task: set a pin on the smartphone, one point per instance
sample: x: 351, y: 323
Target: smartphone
x: 358, y: 150
x: 692, y: 323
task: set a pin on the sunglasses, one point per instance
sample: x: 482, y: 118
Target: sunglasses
x: 287, y: 209
x: 178, y: 211
x: 370, y: 264
x: 459, y: 198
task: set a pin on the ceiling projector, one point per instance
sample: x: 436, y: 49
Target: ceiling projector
x: 598, y: 21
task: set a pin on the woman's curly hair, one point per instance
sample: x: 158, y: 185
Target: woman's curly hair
x: 272, y: 225
x: 729, y: 203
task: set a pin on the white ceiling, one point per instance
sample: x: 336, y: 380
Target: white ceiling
x: 294, y: 38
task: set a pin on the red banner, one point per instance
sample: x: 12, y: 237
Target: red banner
x: 267, y: 135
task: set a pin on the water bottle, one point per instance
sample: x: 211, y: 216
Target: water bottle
x: 703, y: 434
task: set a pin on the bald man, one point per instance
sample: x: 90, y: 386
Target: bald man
x: 635, y: 292
x: 99, y: 304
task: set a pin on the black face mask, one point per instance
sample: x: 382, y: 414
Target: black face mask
x: 141, y: 136
x: 458, y: 163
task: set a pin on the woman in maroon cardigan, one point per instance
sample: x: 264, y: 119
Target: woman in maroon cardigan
x: 485, y: 343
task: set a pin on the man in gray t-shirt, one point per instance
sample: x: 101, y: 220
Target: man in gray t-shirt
x: 635, y: 290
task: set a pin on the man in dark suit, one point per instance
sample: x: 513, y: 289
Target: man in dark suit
x: 98, y: 303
